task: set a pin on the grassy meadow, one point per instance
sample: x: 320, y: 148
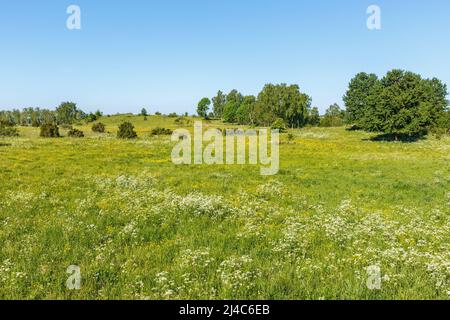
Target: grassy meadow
x: 140, y: 227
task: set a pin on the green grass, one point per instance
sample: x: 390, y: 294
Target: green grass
x: 141, y: 227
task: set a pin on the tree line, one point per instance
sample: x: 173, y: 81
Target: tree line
x: 274, y: 102
x: 66, y: 113
x: 400, y: 103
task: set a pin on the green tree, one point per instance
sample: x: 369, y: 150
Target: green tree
x: 401, y: 103
x: 314, y: 117
x: 334, y: 117
x: 279, y: 124
x: 234, y: 101
x: 203, y: 107
x: 444, y: 121
x: 245, y: 114
x: 144, y: 112
x: 7, y: 129
x: 282, y: 101
x: 91, y: 117
x: 219, y: 102
x: 407, y: 104
x: 361, y: 96
x: 66, y: 113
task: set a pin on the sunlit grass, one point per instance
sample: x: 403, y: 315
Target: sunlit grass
x: 140, y: 227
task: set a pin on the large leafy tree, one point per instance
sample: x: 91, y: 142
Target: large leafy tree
x: 234, y: 101
x: 219, y: 102
x: 66, y: 113
x: 245, y: 114
x: 407, y: 104
x: 203, y: 107
x: 362, y: 95
x: 284, y: 102
x: 401, y: 103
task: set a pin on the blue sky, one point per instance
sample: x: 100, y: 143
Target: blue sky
x: 167, y: 54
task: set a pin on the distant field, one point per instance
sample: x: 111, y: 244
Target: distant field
x: 140, y: 227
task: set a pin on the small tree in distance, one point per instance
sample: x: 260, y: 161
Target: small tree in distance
x: 203, y: 107
x: 314, y: 117
x: 334, y: 117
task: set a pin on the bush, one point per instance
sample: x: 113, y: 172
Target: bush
x: 290, y: 137
x: 7, y: 123
x: 279, y: 124
x: 98, y: 127
x: 66, y: 126
x: 8, y: 131
x: 182, y: 121
x: 126, y: 131
x: 161, y: 132
x: 49, y: 130
x: 75, y: 133
x: 91, y: 118
x: 35, y: 123
x: 179, y: 120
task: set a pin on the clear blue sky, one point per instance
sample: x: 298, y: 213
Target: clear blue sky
x: 167, y: 54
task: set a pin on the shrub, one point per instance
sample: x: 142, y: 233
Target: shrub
x: 91, y: 117
x: 179, y: 120
x: 49, y: 130
x: 172, y: 115
x: 6, y: 123
x: 8, y: 131
x: 126, y: 131
x: 279, y: 124
x: 35, y: 123
x: 75, y: 133
x: 66, y: 126
x: 182, y: 121
x: 161, y: 132
x: 98, y: 127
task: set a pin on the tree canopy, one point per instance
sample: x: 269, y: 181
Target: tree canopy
x: 218, y: 104
x: 401, y: 103
x: 68, y: 113
x: 203, y: 107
